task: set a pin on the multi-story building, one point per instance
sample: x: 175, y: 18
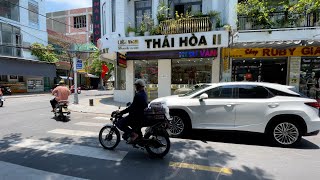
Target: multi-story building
x: 170, y: 53
x: 282, y: 47
x: 75, y: 24
x: 71, y: 28
x: 21, y: 25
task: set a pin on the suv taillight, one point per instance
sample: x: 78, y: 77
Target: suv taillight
x: 313, y: 104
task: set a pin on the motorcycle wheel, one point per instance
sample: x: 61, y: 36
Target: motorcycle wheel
x: 1, y: 103
x: 158, y: 152
x: 107, y: 140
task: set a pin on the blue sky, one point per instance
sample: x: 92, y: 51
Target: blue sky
x: 61, y: 5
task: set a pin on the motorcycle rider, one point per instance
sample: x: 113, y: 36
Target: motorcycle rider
x: 61, y: 92
x: 136, y: 112
x: 1, y: 94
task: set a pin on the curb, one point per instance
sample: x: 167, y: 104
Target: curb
x: 22, y: 96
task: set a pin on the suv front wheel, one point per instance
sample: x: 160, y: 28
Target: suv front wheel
x: 285, y: 133
x: 179, y: 126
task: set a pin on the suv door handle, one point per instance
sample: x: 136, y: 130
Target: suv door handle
x: 230, y: 104
x: 273, y: 105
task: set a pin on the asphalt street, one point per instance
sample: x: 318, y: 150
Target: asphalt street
x: 34, y: 145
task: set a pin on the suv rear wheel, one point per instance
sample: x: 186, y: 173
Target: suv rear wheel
x: 285, y: 133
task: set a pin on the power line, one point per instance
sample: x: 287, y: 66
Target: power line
x: 42, y: 15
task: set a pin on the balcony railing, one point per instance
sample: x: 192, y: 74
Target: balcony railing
x: 280, y: 20
x: 188, y: 25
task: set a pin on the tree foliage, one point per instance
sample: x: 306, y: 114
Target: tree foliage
x: 94, y: 65
x: 44, y: 53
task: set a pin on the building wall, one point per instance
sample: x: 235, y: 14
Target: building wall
x: 80, y: 35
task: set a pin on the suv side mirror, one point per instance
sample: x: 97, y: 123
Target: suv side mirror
x: 128, y: 104
x: 203, y: 96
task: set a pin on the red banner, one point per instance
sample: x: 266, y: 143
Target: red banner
x: 105, y: 69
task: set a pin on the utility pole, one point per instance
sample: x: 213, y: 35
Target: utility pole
x: 75, y: 80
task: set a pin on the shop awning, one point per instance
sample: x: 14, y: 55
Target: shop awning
x: 91, y: 76
x: 65, y: 77
x: 26, y: 67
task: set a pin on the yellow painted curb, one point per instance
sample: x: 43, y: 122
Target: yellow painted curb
x: 223, y: 170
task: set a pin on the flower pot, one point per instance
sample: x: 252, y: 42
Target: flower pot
x: 147, y: 33
x: 132, y: 34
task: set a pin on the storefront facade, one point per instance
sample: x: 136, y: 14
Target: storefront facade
x: 295, y: 66
x: 169, y: 64
x: 23, y: 75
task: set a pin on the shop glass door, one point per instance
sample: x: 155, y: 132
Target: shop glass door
x: 148, y: 71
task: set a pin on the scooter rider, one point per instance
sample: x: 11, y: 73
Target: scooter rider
x: 136, y: 112
x: 1, y: 94
x: 61, y: 92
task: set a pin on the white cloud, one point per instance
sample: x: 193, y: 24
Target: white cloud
x: 69, y: 4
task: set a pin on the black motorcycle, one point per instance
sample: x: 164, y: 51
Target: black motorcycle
x: 155, y: 140
x: 61, y: 111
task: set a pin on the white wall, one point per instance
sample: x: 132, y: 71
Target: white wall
x: 127, y: 94
x: 36, y: 33
x: 164, y: 77
x: 285, y: 35
x: 216, y: 69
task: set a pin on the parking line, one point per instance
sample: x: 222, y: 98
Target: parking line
x: 223, y: 170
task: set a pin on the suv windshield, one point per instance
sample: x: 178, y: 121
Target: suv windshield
x: 195, y: 90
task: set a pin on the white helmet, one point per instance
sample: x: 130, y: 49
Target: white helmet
x: 140, y: 82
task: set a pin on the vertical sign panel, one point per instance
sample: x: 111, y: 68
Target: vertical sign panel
x: 122, y: 60
x: 96, y: 20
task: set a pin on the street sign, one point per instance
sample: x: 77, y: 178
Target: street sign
x: 79, y: 64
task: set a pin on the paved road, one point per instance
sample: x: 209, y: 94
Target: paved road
x: 33, y: 145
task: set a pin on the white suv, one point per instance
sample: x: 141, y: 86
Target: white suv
x: 277, y: 110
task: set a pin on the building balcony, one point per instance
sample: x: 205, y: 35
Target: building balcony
x: 187, y: 25
x: 280, y: 20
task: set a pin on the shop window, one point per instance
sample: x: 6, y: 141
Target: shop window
x: 142, y: 8
x: 185, y: 6
x: 253, y: 92
x: 148, y: 71
x: 80, y: 21
x: 310, y: 77
x: 187, y: 73
x: 20, y: 78
x: 9, y: 37
x: 33, y: 13
x: 3, y: 78
x: 10, y: 9
x: 120, y: 79
x: 113, y: 9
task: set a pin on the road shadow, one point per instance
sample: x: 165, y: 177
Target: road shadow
x: 238, y: 137
x: 58, y: 119
x: 136, y: 165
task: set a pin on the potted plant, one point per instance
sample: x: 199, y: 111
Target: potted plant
x: 131, y: 31
x: 214, y: 18
x: 162, y: 12
x: 146, y: 25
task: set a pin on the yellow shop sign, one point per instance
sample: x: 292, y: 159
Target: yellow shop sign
x: 271, y: 52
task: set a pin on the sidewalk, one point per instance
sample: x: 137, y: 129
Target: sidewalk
x: 101, y: 105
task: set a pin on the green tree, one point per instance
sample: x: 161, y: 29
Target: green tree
x: 95, y: 67
x: 257, y: 10
x: 44, y: 53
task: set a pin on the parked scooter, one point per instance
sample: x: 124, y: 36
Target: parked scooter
x: 61, y: 111
x: 78, y: 89
x: 6, y: 90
